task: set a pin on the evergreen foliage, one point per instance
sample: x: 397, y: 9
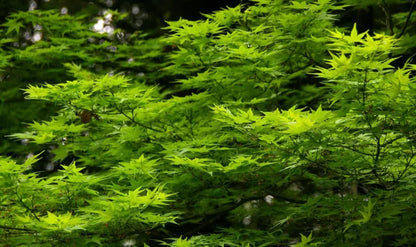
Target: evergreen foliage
x: 264, y: 124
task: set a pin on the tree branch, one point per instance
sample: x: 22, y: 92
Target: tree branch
x: 412, y: 7
x: 15, y: 228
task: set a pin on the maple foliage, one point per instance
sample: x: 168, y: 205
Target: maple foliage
x: 263, y: 124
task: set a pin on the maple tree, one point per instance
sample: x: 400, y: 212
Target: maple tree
x: 264, y: 124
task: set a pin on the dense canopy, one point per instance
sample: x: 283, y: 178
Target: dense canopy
x: 268, y: 123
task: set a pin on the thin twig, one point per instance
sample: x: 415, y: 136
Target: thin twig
x: 15, y: 228
x: 412, y: 7
x: 138, y: 123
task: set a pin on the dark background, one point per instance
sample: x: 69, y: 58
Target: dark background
x: 151, y: 16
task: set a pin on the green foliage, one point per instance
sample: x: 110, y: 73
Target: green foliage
x: 246, y: 56
x: 37, y: 45
x: 72, y: 207
x: 273, y: 132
